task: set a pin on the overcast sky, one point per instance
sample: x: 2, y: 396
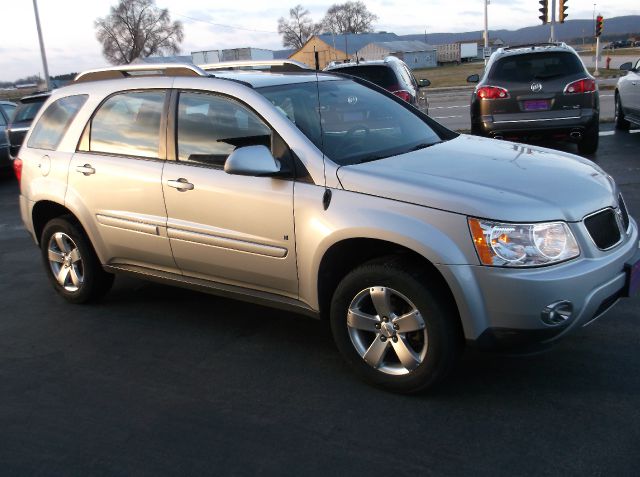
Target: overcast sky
x: 71, y: 45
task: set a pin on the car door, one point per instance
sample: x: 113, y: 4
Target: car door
x: 227, y: 228
x: 115, y: 180
x: 634, y: 90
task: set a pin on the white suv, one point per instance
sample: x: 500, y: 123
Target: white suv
x: 328, y: 196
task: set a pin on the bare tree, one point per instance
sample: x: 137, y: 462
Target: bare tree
x: 298, y: 28
x: 137, y: 29
x: 349, y: 17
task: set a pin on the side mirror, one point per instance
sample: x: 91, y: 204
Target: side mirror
x: 423, y: 83
x: 628, y: 66
x: 475, y: 78
x: 252, y: 161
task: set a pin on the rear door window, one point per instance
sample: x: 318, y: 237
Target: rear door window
x: 127, y: 124
x: 528, y: 67
x: 50, y: 128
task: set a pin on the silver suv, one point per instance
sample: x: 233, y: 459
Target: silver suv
x: 328, y: 196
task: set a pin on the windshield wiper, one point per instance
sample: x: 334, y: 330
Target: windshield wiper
x: 423, y: 145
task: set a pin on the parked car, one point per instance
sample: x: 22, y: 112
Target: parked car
x: 391, y: 74
x: 627, y: 97
x: 329, y: 196
x: 6, y: 111
x: 537, y: 91
x: 27, y: 109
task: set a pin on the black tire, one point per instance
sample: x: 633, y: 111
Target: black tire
x: 439, y: 315
x: 589, y: 142
x: 621, y: 123
x: 85, y: 279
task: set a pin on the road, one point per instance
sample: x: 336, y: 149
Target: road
x: 452, y: 108
x: 160, y: 381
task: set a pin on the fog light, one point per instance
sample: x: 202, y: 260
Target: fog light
x: 557, y: 313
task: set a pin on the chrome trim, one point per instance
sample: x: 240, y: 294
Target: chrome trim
x: 127, y: 224
x: 10, y: 130
x: 535, y: 120
x: 226, y: 242
x: 621, y: 199
x: 619, y: 229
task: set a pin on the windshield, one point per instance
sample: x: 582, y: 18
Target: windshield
x: 382, y: 75
x: 353, y: 124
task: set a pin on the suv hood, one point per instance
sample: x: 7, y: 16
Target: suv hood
x: 489, y: 179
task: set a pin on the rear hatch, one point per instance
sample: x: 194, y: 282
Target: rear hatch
x: 22, y: 119
x: 538, y: 86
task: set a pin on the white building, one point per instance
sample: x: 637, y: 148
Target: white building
x: 415, y: 54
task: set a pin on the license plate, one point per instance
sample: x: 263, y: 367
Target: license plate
x: 536, y: 105
x: 633, y: 279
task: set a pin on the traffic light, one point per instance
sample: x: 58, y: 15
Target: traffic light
x: 563, y: 9
x: 544, y: 11
x: 599, y: 25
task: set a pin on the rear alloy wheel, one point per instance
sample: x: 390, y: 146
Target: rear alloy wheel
x: 621, y: 123
x: 589, y: 142
x: 72, y: 265
x: 393, y: 329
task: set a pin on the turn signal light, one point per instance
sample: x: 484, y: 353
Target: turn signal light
x: 581, y: 86
x: 17, y: 168
x: 492, y: 92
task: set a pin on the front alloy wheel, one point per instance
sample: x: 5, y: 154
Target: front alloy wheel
x: 396, y: 324
x: 387, y: 330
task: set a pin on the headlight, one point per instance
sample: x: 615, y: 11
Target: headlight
x: 522, y: 245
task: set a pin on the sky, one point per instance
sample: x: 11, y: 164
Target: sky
x: 71, y: 45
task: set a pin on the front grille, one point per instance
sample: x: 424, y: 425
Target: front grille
x: 603, y: 228
x: 624, y: 212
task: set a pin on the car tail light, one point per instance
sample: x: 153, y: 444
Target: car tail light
x: 492, y: 92
x: 403, y: 94
x: 581, y: 86
x: 17, y: 168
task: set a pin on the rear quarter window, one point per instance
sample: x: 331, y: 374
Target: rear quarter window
x: 50, y: 128
x: 527, y: 67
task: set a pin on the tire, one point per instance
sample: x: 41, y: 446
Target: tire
x: 589, y: 142
x: 432, y: 338
x: 621, y: 123
x: 71, y: 263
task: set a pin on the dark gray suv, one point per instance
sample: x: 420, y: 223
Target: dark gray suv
x: 537, y: 91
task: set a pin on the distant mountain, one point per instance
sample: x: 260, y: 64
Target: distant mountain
x: 570, y: 30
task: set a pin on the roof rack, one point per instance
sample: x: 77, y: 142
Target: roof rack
x: 533, y: 45
x: 257, y: 65
x: 126, y: 71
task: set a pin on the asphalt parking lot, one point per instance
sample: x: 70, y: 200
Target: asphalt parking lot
x: 162, y: 381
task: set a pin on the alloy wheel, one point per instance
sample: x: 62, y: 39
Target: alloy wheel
x: 387, y: 330
x: 65, y: 262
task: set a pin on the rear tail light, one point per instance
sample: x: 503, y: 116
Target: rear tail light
x: 402, y: 94
x: 581, y: 86
x: 17, y: 168
x: 492, y: 92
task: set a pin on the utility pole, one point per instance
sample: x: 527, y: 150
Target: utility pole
x: 486, y: 30
x: 553, y: 20
x: 42, y: 53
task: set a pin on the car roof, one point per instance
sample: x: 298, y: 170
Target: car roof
x: 534, y: 48
x: 8, y: 103
x: 386, y: 62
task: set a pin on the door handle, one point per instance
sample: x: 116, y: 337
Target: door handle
x: 181, y: 184
x: 87, y: 170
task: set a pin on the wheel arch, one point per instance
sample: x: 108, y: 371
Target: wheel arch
x: 345, y: 255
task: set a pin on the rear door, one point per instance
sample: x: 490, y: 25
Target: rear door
x: 228, y: 228
x: 115, y: 180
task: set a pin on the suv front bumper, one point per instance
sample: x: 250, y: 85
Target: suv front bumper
x: 502, y: 308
